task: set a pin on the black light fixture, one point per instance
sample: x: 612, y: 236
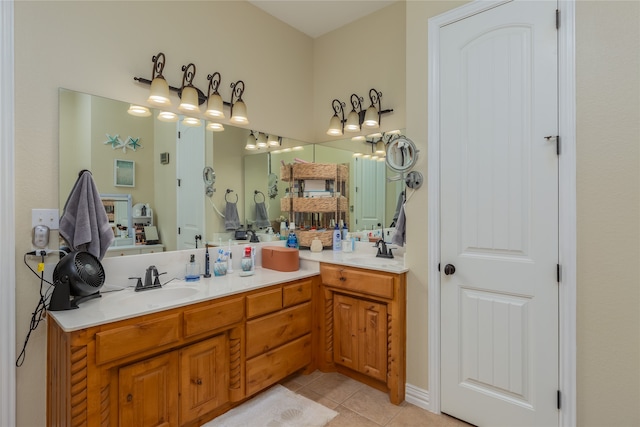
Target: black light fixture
x: 358, y: 117
x: 353, y: 119
x: 238, y: 107
x: 191, y: 97
x: 189, y: 102
x: 336, y: 124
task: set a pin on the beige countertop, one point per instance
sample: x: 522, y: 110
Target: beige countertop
x: 119, y: 301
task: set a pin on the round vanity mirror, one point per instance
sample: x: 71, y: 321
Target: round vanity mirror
x: 402, y: 154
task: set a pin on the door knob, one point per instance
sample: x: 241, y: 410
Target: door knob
x: 449, y: 269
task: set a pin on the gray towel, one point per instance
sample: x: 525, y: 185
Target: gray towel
x: 398, y: 237
x: 231, y: 218
x: 262, y: 217
x: 398, y: 206
x: 84, y: 223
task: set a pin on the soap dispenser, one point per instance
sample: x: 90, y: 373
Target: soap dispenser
x: 192, y: 270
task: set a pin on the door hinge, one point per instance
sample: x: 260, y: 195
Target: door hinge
x: 179, y: 182
x: 559, y: 400
x: 558, y: 273
x: 179, y: 134
x: 178, y: 230
x: 557, y: 139
x: 557, y: 19
x: 438, y: 266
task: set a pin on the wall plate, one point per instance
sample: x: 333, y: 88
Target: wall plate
x: 48, y: 217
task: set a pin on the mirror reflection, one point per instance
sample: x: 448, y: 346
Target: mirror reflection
x: 170, y: 159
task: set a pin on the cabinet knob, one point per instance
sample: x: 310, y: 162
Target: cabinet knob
x: 129, y: 397
x: 197, y: 381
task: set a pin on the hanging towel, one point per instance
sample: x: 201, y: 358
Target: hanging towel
x: 398, y: 206
x: 398, y: 237
x: 231, y: 218
x: 84, y: 223
x: 262, y: 217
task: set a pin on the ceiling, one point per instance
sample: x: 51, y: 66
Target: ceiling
x: 317, y: 17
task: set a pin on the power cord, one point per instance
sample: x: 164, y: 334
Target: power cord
x: 40, y: 311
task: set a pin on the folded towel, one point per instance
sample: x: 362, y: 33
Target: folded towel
x: 84, y: 223
x: 231, y: 218
x: 262, y: 217
x: 398, y: 237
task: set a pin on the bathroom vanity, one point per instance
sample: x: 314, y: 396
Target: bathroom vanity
x: 184, y: 354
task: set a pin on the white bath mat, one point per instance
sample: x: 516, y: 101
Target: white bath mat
x: 276, y: 407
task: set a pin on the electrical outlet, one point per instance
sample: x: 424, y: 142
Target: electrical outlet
x: 48, y: 217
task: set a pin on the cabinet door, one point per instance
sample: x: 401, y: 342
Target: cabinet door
x: 147, y: 392
x: 345, y: 331
x: 372, y: 345
x: 360, y: 335
x: 204, y: 377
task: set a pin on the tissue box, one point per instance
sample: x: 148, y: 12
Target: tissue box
x: 280, y: 259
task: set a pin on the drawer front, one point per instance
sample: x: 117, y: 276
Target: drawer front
x: 271, y: 331
x: 296, y: 293
x: 132, y: 339
x: 212, y: 317
x: 264, y: 302
x: 365, y: 282
x: 271, y: 367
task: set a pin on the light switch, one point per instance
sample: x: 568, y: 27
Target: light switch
x: 48, y: 217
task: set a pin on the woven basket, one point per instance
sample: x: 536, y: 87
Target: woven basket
x: 306, y: 237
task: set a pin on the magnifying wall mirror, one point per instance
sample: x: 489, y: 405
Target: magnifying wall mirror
x: 402, y: 154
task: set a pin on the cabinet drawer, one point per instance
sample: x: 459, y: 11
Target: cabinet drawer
x: 213, y: 317
x: 365, y: 282
x: 271, y: 367
x: 296, y: 293
x: 270, y: 331
x: 132, y: 339
x: 264, y: 302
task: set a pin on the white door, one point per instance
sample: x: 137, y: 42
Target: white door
x: 370, y: 189
x: 499, y: 216
x: 190, y: 197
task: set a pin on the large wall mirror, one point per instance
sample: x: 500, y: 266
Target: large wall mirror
x: 168, y: 160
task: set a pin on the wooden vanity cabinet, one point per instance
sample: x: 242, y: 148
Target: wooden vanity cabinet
x: 182, y: 366
x: 363, y: 322
x: 279, y: 333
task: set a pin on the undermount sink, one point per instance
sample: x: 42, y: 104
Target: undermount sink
x: 159, y: 296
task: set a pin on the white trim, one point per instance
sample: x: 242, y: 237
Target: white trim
x: 567, y: 212
x: 7, y: 221
x: 417, y: 396
x: 567, y: 205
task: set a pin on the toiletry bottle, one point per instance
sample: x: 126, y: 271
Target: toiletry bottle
x: 207, y: 271
x: 247, y: 262
x: 192, y: 270
x: 344, y: 231
x: 337, y: 238
x: 230, y: 260
x: 292, y: 240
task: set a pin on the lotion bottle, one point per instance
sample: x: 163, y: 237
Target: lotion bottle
x: 337, y: 238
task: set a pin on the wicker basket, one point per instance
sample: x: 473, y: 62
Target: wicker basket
x: 306, y: 237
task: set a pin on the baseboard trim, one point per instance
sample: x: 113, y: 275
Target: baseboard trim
x: 417, y: 396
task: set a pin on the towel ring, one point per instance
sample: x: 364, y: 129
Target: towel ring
x: 227, y: 193
x: 255, y: 196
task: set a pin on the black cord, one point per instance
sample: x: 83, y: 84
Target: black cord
x: 40, y: 311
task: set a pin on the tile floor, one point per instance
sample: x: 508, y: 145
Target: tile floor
x: 359, y: 405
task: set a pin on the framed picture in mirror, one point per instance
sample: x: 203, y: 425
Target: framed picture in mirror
x: 124, y: 173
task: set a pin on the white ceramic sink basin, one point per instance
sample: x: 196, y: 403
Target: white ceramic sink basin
x: 159, y: 296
